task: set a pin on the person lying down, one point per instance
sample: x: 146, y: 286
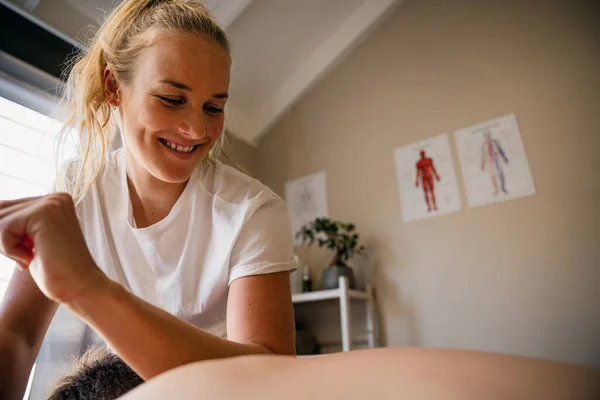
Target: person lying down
x: 387, y: 373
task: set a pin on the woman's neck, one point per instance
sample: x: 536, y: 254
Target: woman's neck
x: 151, y: 198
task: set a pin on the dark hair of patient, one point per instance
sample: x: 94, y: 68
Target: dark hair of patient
x: 98, y: 374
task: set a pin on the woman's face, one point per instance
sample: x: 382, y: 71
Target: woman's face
x: 173, y: 108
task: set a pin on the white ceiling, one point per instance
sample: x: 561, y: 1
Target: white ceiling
x: 280, y: 47
x: 273, y: 40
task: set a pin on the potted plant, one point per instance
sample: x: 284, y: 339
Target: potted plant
x: 336, y: 236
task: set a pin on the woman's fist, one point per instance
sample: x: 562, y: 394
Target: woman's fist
x: 43, y: 234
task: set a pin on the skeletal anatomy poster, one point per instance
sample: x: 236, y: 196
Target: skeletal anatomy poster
x: 493, y: 162
x: 306, y: 199
x: 426, y: 179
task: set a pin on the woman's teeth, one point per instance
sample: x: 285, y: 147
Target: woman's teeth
x: 176, y: 147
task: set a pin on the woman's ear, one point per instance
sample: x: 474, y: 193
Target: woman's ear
x: 111, y: 87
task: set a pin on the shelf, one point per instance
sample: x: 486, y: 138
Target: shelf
x: 327, y: 295
x: 343, y: 295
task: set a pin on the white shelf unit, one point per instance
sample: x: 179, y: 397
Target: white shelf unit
x: 344, y: 294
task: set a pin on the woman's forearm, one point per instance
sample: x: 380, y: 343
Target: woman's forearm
x: 149, y: 339
x: 16, y: 360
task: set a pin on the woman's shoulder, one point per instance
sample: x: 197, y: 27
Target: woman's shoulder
x: 69, y: 169
x: 231, y: 185
x: 69, y: 175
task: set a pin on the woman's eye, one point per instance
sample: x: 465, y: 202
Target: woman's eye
x: 214, y: 110
x: 171, y: 101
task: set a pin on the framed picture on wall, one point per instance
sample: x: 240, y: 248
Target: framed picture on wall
x: 426, y: 179
x: 306, y: 199
x: 493, y: 162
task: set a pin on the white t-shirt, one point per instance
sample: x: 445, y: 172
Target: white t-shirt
x: 224, y: 226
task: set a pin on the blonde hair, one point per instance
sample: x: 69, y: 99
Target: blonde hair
x: 129, y: 29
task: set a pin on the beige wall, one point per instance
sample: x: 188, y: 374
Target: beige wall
x: 518, y: 277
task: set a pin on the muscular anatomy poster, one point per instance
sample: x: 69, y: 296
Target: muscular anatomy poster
x: 306, y: 199
x: 426, y: 179
x: 493, y: 162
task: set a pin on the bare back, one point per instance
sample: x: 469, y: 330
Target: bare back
x: 388, y: 373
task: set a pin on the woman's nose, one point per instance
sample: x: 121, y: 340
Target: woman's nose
x: 193, y: 126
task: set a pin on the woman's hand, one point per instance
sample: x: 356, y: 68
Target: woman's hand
x: 43, y: 234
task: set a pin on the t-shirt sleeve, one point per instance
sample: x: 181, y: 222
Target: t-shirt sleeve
x: 265, y: 243
x: 65, y: 176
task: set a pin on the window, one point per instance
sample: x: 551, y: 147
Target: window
x: 27, y: 160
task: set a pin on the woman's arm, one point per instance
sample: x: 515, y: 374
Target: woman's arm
x: 260, y: 312
x: 25, y: 314
x: 153, y: 341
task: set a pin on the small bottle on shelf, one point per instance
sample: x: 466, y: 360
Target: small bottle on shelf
x: 306, y: 282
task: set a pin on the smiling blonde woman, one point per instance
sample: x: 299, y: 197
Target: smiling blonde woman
x: 156, y: 229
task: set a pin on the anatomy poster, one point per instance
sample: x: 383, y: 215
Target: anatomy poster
x: 306, y: 199
x: 493, y: 162
x: 426, y: 179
